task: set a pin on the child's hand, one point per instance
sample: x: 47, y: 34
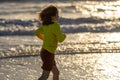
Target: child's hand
x: 64, y: 35
x: 41, y: 36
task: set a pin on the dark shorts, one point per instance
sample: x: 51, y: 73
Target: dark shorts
x: 48, y: 59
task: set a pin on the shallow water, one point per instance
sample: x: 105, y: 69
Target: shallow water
x: 80, y: 43
x: 72, y: 67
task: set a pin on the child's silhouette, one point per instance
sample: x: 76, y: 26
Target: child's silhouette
x: 51, y: 34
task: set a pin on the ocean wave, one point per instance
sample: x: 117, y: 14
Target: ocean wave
x: 91, y: 24
x: 63, y: 49
x: 83, y: 20
x: 66, y: 21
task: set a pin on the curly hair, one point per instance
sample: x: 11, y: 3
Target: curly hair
x: 45, y: 16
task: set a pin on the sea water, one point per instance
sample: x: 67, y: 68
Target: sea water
x: 90, y: 26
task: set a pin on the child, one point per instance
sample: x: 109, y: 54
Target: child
x: 51, y: 34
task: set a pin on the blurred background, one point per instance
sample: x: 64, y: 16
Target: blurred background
x: 91, y: 25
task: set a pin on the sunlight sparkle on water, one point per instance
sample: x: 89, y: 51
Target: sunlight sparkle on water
x: 110, y: 37
x: 115, y: 9
x: 118, y: 11
x: 111, y: 64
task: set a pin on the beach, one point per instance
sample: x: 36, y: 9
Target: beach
x: 91, y: 50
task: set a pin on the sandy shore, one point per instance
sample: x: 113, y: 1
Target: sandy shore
x: 72, y: 67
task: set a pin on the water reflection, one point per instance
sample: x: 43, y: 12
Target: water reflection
x: 100, y: 9
x: 90, y: 66
x: 91, y: 43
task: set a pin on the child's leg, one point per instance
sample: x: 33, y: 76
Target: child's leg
x: 44, y: 75
x: 55, y: 72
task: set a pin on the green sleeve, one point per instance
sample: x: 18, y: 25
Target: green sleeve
x: 59, y: 35
x: 38, y: 31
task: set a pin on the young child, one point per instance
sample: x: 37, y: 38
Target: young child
x: 51, y: 34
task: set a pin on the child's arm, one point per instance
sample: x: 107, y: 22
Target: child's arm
x: 63, y: 37
x: 60, y: 36
x: 39, y: 34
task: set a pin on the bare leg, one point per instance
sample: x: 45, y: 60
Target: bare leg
x: 55, y: 72
x: 44, y: 75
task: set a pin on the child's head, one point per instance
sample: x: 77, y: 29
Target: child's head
x: 48, y: 15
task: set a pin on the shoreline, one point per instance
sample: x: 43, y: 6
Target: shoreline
x: 72, y: 67
x: 16, y: 46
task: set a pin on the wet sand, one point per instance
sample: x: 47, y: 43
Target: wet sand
x: 72, y: 67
